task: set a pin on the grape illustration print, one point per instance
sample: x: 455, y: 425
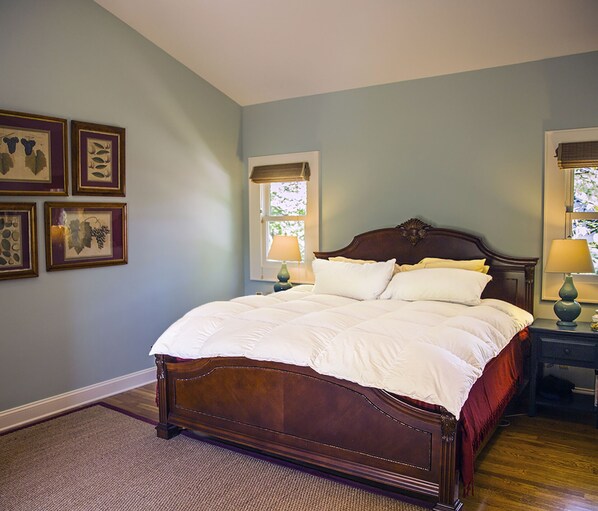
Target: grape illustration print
x: 87, y: 234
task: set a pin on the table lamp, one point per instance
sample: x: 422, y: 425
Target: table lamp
x: 568, y: 256
x: 284, y: 248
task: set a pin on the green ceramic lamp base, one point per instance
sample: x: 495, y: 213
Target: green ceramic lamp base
x: 283, y: 279
x: 567, y: 309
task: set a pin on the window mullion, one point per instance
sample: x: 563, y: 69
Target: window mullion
x: 265, y: 199
x: 283, y: 218
x: 569, y: 189
x: 569, y: 200
x: 584, y: 216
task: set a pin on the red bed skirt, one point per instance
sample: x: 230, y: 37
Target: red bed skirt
x: 487, y: 401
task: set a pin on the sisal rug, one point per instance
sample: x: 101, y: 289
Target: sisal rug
x: 100, y: 459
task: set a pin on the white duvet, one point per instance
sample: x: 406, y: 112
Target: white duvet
x: 430, y: 351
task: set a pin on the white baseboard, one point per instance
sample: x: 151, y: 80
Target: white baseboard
x: 21, y: 415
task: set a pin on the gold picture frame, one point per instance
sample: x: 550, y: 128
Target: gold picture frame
x: 85, y: 234
x: 98, y: 159
x: 18, y: 240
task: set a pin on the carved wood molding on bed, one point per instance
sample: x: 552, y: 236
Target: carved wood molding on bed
x: 359, y: 433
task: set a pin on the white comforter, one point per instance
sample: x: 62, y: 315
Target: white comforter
x: 430, y: 351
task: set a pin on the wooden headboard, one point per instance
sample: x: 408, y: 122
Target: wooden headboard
x: 411, y: 241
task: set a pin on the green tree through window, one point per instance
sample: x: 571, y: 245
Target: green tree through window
x: 584, y: 208
x: 287, y: 207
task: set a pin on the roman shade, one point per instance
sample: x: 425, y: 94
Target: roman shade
x: 577, y: 155
x: 281, y: 172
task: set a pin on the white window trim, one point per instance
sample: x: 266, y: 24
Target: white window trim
x: 259, y: 267
x: 556, y: 192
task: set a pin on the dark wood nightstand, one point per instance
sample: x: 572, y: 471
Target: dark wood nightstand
x: 565, y: 346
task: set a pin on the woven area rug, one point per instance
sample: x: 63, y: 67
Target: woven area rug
x: 101, y: 459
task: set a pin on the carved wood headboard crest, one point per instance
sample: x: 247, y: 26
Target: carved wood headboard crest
x: 414, y: 230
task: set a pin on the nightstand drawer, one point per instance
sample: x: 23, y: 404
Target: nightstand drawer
x: 574, y: 351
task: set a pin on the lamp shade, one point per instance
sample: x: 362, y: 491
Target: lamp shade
x: 284, y: 248
x: 569, y: 256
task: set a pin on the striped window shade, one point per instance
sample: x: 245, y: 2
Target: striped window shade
x: 577, y: 155
x: 280, y: 173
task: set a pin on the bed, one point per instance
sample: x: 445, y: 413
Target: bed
x: 358, y: 433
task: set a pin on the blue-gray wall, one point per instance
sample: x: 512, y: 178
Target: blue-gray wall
x: 463, y: 150
x: 69, y: 329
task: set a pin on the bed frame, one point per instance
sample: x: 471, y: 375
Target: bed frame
x: 364, y: 435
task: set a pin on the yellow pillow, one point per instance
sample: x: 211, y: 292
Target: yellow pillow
x: 435, y: 262
x: 411, y: 267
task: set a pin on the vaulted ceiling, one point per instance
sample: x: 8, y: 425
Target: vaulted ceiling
x: 257, y: 51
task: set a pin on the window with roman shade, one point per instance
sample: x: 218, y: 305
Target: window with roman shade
x: 283, y: 200
x: 571, y: 202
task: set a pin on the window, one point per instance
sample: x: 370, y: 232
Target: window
x: 285, y: 207
x: 571, y: 203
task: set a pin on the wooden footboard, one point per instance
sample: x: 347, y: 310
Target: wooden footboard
x: 293, y: 413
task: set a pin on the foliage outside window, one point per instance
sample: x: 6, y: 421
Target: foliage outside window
x: 583, y: 208
x: 285, y: 211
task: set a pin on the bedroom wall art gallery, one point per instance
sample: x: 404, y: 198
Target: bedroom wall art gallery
x: 34, y: 161
x: 81, y: 334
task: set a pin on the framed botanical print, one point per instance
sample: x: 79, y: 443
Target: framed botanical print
x: 18, y: 240
x: 98, y: 159
x: 85, y: 234
x: 32, y: 154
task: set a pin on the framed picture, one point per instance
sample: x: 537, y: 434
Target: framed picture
x: 85, y: 234
x: 98, y: 158
x: 32, y: 154
x: 18, y: 240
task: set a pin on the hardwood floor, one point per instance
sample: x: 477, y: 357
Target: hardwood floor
x: 547, y: 463
x: 140, y: 401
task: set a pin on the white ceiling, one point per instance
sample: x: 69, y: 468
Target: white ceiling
x: 257, y: 51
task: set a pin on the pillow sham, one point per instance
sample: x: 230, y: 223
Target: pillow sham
x: 436, y: 262
x: 359, y: 281
x: 438, y: 284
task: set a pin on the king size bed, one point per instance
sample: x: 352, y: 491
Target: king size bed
x: 391, y: 437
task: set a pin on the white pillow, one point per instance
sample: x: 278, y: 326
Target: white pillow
x: 359, y: 281
x: 438, y: 284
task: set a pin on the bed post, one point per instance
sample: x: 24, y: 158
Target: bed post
x: 529, y: 287
x: 448, y: 498
x: 163, y: 429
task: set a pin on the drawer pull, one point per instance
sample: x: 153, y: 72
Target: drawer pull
x: 567, y: 351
